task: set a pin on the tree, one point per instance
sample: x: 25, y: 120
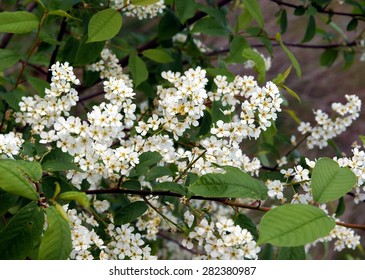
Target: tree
x: 124, y: 131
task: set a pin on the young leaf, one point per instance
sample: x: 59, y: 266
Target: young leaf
x: 311, y: 30
x: 234, y: 183
x: 250, y: 54
x: 56, y: 243
x: 22, y: 233
x: 143, y: 2
x: 130, y: 212
x: 290, y: 55
x: 292, y: 93
x: 13, y: 181
x: 329, y: 181
x: 18, y: 22
x: 7, y: 58
x: 254, y: 9
x: 138, y: 69
x: 293, y: 225
x: 80, y: 197
x: 62, y: 13
x: 158, y: 55
x: 283, y: 21
x: 104, y: 25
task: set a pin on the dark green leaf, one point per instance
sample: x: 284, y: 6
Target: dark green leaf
x: 22, y: 233
x: 311, y: 30
x: 254, y: 9
x: 245, y: 222
x: 158, y: 55
x: 349, y: 57
x: 157, y: 172
x: 328, y: 57
x: 130, y: 212
x: 104, y: 25
x: 146, y: 160
x: 236, y: 47
x: 299, y: 11
x: 330, y: 181
x: 7, y: 58
x: 38, y: 84
x: 18, y: 22
x: 293, y: 225
x: 210, y: 26
x: 169, y: 25
x: 56, y: 243
x: 56, y: 160
x: 250, y: 54
x: 138, y: 69
x: 170, y: 186
x: 292, y: 253
x: 60, y: 4
x: 13, y: 98
x: 341, y: 207
x: 61, y: 13
x: 205, y: 124
x: 234, y: 183
x: 352, y: 24
x: 7, y: 200
x: 185, y: 9
x: 283, y: 21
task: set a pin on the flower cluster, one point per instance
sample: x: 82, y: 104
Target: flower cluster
x: 328, y: 128
x: 221, y: 240
x: 139, y: 11
x: 10, y: 144
x: 259, y: 107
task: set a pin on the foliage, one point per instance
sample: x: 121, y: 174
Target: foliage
x: 124, y: 129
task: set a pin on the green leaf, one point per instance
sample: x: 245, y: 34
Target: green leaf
x: 351, y: 26
x: 293, y: 225
x: 157, y: 172
x: 254, y: 9
x: 250, y: 54
x: 210, y: 26
x: 62, y: 13
x: 146, y: 160
x: 7, y: 58
x: 33, y: 169
x: 60, y: 4
x: 56, y: 243
x: 348, y: 57
x: 170, y: 186
x: 299, y: 11
x: 13, y: 98
x: 7, y: 200
x: 80, y: 197
x: 292, y: 253
x: 143, y: 2
x: 236, y: 47
x: 234, y: 183
x: 283, y: 21
x: 185, y: 9
x: 311, y: 30
x: 22, y: 233
x: 292, y: 93
x: 168, y: 26
x: 56, y: 160
x: 38, y: 84
x: 290, y: 55
x: 281, y: 77
x: 341, y: 207
x: 138, y: 69
x: 328, y: 57
x: 158, y: 55
x: 13, y: 181
x: 18, y: 22
x: 330, y: 181
x: 130, y: 212
x: 104, y: 25
x: 245, y: 222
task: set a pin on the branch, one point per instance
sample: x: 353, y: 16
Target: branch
x: 320, y: 10
x: 224, y: 201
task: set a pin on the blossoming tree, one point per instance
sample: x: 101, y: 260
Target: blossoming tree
x: 126, y: 134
